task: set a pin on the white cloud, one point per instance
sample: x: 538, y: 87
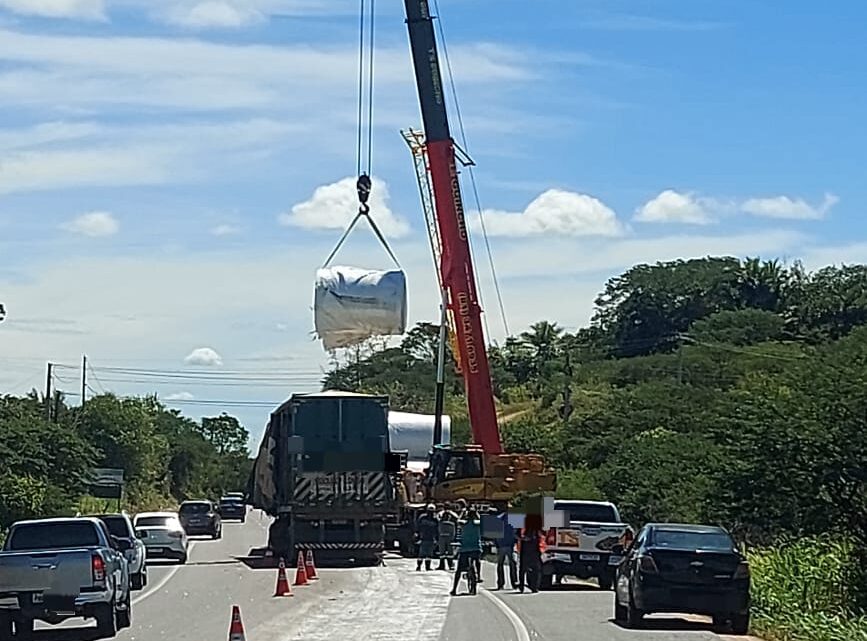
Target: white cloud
x: 213, y: 14
x: 115, y: 156
x: 94, y: 224
x: 225, y: 230
x: 82, y: 9
x: 179, y: 396
x: 555, y: 212
x: 204, y: 356
x: 785, y: 207
x: 674, y: 207
x: 333, y: 206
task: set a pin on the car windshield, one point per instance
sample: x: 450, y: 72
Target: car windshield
x: 53, y: 536
x: 116, y: 525
x: 692, y: 540
x: 195, y: 508
x: 588, y: 512
x: 155, y: 521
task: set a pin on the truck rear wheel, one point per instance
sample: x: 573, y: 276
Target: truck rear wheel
x: 606, y: 580
x: 23, y: 629
x: 5, y: 627
x: 106, y: 624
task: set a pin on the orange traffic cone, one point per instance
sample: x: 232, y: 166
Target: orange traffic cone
x: 311, y: 569
x: 283, y: 588
x: 236, y: 629
x: 300, y: 572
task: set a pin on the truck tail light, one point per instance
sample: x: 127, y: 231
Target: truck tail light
x: 551, y: 536
x: 647, y: 565
x: 743, y: 571
x: 97, y: 567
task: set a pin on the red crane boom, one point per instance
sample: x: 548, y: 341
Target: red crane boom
x: 456, y: 271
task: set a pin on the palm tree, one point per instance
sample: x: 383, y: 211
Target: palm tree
x: 543, y: 339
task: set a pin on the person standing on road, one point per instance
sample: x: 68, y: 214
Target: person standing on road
x: 506, y: 553
x: 471, y: 547
x: 428, y: 532
x: 531, y: 559
x: 448, y: 530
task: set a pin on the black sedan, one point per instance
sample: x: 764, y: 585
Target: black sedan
x: 233, y: 508
x: 690, y: 569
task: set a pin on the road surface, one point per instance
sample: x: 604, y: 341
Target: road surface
x: 394, y: 602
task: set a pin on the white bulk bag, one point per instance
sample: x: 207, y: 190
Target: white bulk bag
x: 351, y: 305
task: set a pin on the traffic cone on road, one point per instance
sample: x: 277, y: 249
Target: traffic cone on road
x: 236, y: 629
x: 310, y: 568
x: 283, y: 588
x: 300, y: 571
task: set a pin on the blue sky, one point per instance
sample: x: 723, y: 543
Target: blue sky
x: 172, y: 172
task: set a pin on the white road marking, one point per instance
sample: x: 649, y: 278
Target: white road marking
x: 161, y: 583
x: 520, y: 629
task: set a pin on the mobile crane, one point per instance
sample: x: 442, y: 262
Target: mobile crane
x: 482, y: 472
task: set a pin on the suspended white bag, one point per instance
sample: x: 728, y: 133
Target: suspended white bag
x: 352, y: 304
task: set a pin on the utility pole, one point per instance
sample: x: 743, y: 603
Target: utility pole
x: 83, y: 379
x: 48, y: 378
x: 441, y: 385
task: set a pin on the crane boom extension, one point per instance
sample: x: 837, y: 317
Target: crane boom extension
x: 457, y: 274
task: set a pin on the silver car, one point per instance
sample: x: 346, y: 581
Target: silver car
x: 163, y: 535
x: 120, y: 526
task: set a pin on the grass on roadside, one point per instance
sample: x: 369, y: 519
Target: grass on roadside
x: 803, y: 591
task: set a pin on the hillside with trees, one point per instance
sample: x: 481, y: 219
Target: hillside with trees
x: 166, y: 457
x: 711, y: 390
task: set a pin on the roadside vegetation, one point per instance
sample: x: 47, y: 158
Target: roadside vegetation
x: 165, y: 456
x: 713, y: 390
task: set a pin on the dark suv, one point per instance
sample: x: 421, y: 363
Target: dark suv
x: 201, y: 517
x: 233, y: 508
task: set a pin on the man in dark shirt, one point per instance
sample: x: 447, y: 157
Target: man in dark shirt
x: 531, y: 559
x: 506, y: 554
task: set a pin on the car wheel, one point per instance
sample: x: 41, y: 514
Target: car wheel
x: 106, y: 624
x: 124, y: 617
x: 740, y: 623
x: 619, y: 611
x: 634, y: 616
x: 606, y: 580
x: 546, y: 581
x: 144, y: 575
x: 183, y: 560
x: 136, y: 581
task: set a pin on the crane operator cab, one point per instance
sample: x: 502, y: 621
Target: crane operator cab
x: 468, y: 472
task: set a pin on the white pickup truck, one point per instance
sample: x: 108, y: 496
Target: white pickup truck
x: 57, y: 569
x: 584, y: 548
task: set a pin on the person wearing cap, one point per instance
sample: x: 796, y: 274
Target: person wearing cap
x: 471, y: 548
x: 448, y: 531
x: 428, y: 532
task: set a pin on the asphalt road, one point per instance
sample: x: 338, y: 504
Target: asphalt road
x: 394, y: 602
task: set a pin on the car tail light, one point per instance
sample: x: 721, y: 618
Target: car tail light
x: 647, y: 565
x: 175, y: 534
x: 551, y: 536
x: 97, y: 567
x: 743, y: 571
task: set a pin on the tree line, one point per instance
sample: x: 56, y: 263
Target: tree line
x: 165, y: 456
x: 710, y: 390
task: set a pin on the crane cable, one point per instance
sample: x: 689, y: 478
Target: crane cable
x: 364, y: 184
x: 460, y: 118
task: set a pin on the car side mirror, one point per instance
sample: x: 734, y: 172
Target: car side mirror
x: 122, y: 544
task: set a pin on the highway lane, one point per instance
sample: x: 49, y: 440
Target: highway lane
x: 394, y: 602
x: 576, y: 610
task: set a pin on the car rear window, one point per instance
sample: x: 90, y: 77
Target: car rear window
x: 231, y: 502
x: 117, y: 526
x: 154, y: 521
x: 691, y: 540
x: 195, y: 508
x: 53, y: 536
x: 589, y: 512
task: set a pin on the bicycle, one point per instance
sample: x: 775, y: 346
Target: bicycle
x: 470, y: 571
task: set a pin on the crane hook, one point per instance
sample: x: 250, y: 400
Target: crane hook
x: 363, y: 187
